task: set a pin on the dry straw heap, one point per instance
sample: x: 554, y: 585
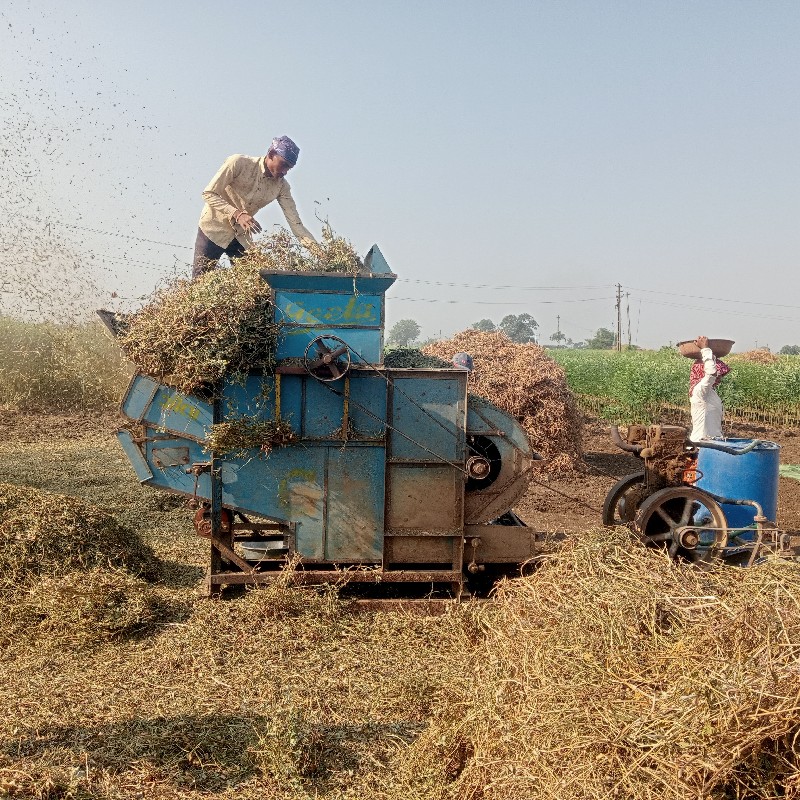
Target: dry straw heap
x: 45, y: 535
x: 761, y: 355
x: 612, y: 672
x: 69, y: 571
x: 525, y: 382
x: 192, y: 333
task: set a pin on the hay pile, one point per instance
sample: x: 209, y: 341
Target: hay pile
x: 192, y: 333
x: 70, y: 574
x: 281, y: 251
x: 612, y: 672
x: 46, y: 535
x: 761, y: 355
x: 87, y: 607
x: 522, y: 380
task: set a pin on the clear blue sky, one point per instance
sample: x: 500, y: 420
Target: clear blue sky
x: 520, y: 145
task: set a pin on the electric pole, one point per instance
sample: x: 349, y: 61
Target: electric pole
x: 628, y: 313
x: 619, y: 317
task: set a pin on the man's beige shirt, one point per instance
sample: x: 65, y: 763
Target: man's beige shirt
x: 243, y: 184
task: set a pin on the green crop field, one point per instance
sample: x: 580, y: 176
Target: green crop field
x: 641, y: 385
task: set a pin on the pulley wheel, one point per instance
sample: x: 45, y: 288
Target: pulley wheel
x: 664, y: 517
x: 619, y: 507
x: 327, y: 358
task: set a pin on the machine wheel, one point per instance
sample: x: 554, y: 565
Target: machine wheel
x: 663, y: 517
x: 619, y: 507
x: 327, y: 358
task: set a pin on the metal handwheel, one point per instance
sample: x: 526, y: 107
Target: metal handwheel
x: 678, y: 519
x: 327, y: 358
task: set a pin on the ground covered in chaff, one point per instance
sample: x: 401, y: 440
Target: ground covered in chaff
x: 609, y: 672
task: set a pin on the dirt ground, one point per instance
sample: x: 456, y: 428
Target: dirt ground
x: 569, y: 502
x: 552, y: 503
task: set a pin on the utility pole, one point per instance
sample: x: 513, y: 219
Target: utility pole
x: 628, y: 312
x: 619, y: 317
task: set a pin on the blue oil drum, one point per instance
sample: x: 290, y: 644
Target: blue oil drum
x: 749, y: 476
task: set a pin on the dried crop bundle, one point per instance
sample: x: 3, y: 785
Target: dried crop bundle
x: 50, y: 534
x: 522, y: 380
x: 613, y: 672
x: 240, y: 435
x: 88, y: 607
x: 281, y: 251
x: 193, y: 333
x: 759, y: 356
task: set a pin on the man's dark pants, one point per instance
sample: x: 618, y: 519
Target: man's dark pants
x: 206, y: 253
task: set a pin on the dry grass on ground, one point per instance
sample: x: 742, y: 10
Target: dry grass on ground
x: 614, y: 673
x: 610, y: 672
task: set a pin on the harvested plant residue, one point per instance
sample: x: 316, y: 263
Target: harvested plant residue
x: 613, y: 672
x: 410, y: 358
x: 193, y: 333
x: 45, y: 534
x: 241, y: 435
x: 86, y: 607
x: 610, y: 672
x: 522, y: 380
x: 760, y: 355
x: 281, y: 251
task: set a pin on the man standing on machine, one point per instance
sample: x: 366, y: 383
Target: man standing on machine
x: 241, y: 188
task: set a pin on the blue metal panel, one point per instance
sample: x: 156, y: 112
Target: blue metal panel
x: 287, y: 485
x: 255, y: 398
x: 166, y: 408
x: 355, y: 504
x: 375, y: 262
x: 428, y: 417
x: 323, y: 409
x: 315, y: 304
x: 143, y: 472
x: 365, y: 343
x: 176, y: 477
x: 329, y: 310
x: 368, y: 392
x: 139, y: 396
x: 329, y: 282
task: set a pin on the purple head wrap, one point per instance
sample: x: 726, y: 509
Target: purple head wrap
x: 463, y: 360
x: 286, y: 149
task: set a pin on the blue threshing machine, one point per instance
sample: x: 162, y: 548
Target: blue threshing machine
x: 396, y: 475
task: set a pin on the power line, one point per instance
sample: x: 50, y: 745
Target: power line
x: 507, y: 286
x: 715, y: 299
x: 711, y: 310
x: 122, y: 235
x: 501, y: 302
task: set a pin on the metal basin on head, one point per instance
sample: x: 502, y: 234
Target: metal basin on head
x: 719, y: 347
